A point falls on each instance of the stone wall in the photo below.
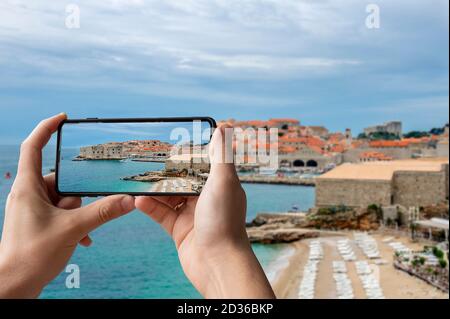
(199, 166)
(352, 155)
(390, 213)
(102, 152)
(443, 149)
(407, 189)
(352, 193)
(419, 188)
(322, 161)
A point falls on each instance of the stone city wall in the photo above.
(419, 188)
(352, 193)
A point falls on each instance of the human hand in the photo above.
(41, 229)
(209, 232)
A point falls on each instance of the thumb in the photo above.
(221, 151)
(102, 211)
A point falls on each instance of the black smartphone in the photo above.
(140, 157)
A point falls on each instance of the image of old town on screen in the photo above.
(134, 157)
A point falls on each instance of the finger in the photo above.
(86, 241)
(102, 211)
(50, 183)
(221, 151)
(158, 211)
(69, 203)
(171, 201)
(30, 161)
(61, 202)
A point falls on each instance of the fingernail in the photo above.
(128, 203)
(63, 114)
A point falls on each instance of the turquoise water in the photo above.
(133, 258)
(103, 176)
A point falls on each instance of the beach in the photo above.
(394, 283)
(174, 185)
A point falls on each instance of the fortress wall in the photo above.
(352, 193)
(419, 188)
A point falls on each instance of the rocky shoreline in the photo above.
(278, 228)
(153, 177)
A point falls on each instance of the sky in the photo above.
(313, 60)
(86, 134)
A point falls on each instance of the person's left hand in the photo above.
(41, 229)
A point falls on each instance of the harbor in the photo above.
(277, 180)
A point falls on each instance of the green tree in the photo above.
(383, 136)
(438, 253)
(362, 136)
(416, 134)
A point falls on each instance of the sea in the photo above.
(132, 257)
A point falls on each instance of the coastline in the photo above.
(261, 179)
(394, 283)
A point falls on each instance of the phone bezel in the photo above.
(210, 120)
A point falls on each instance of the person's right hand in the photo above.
(209, 232)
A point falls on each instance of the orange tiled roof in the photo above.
(338, 148)
(255, 123)
(388, 144)
(416, 140)
(310, 141)
(287, 149)
(316, 149)
(357, 144)
(336, 137)
(291, 121)
(375, 155)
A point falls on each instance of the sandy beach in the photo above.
(394, 283)
(173, 185)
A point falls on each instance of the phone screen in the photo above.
(137, 157)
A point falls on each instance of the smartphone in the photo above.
(140, 157)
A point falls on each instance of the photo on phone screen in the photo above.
(103, 157)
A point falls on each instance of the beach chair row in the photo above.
(368, 245)
(345, 250)
(344, 286)
(370, 282)
(308, 283)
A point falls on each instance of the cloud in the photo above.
(201, 36)
(298, 55)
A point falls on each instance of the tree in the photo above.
(362, 136)
(437, 131)
(438, 253)
(383, 136)
(416, 134)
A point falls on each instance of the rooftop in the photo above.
(383, 170)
